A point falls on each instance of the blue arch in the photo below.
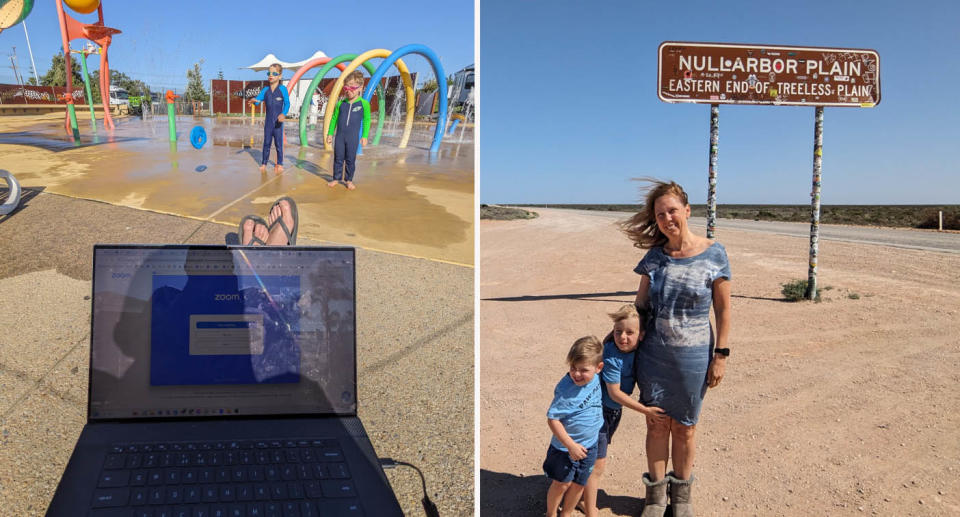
(437, 71)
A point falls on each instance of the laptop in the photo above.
(223, 383)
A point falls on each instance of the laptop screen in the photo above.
(200, 331)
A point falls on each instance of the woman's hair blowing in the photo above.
(642, 228)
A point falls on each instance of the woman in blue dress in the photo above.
(681, 275)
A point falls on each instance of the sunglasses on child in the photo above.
(351, 88)
(274, 74)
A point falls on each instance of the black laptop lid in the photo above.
(205, 331)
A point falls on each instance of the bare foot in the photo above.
(278, 169)
(263, 168)
(351, 186)
(332, 183)
(280, 211)
(252, 229)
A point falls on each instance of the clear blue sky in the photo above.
(161, 40)
(569, 110)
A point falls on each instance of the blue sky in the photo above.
(569, 110)
(161, 40)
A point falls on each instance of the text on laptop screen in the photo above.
(207, 331)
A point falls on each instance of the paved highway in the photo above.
(929, 240)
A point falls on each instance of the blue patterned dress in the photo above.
(673, 358)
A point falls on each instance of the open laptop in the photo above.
(223, 383)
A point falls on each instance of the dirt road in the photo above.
(845, 407)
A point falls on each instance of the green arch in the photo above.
(305, 106)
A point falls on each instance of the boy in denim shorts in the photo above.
(574, 417)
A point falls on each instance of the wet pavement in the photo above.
(407, 202)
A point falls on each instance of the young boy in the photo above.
(574, 418)
(617, 386)
(349, 118)
(278, 103)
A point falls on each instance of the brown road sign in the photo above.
(729, 73)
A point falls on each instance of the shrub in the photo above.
(796, 290)
(931, 219)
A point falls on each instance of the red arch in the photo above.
(307, 66)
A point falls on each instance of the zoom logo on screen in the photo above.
(234, 297)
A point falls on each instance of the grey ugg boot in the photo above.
(656, 501)
(680, 498)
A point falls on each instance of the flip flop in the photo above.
(291, 234)
(253, 238)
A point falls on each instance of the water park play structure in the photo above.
(393, 59)
(71, 29)
(328, 64)
(12, 12)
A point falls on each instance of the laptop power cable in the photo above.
(428, 507)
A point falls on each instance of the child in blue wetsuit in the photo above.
(277, 102)
(350, 118)
(574, 417)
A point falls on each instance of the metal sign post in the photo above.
(771, 75)
(712, 189)
(811, 293)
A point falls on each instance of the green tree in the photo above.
(195, 90)
(430, 85)
(120, 80)
(57, 76)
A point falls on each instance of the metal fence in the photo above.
(180, 108)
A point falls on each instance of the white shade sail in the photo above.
(270, 59)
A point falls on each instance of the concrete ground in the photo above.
(413, 313)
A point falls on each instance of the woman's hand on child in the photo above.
(329, 139)
(363, 141)
(577, 452)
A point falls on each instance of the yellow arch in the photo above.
(407, 84)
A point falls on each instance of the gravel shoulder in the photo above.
(845, 407)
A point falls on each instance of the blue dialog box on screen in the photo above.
(214, 329)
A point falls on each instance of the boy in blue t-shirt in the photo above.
(574, 417)
(618, 380)
(277, 102)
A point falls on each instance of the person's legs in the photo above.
(554, 496)
(570, 499)
(267, 137)
(351, 159)
(593, 486)
(338, 154)
(658, 447)
(684, 448)
(278, 143)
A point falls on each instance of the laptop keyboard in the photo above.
(288, 478)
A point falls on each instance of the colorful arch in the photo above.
(330, 63)
(441, 83)
(404, 75)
